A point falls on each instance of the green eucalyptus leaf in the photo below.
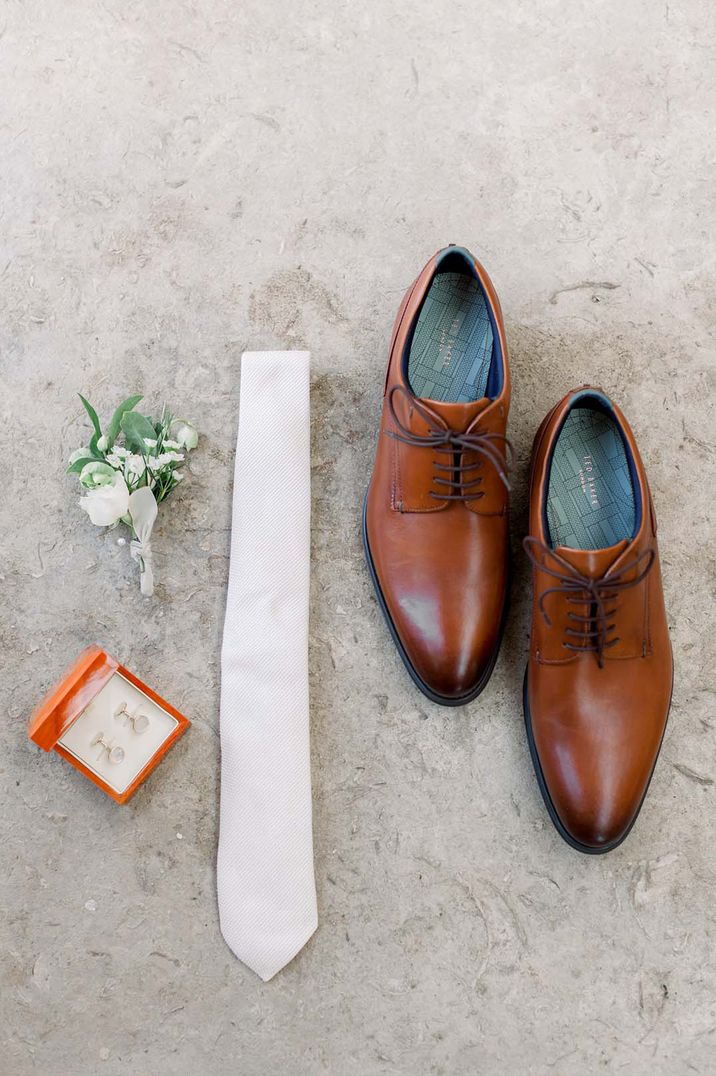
(135, 428)
(76, 466)
(92, 414)
(116, 423)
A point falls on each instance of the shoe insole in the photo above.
(451, 351)
(590, 499)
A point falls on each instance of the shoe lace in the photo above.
(493, 447)
(593, 633)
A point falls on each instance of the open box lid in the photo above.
(68, 699)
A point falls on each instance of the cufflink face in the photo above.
(139, 722)
(115, 753)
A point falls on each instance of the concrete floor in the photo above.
(182, 181)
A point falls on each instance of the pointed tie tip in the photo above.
(266, 966)
(267, 954)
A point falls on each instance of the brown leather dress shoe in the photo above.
(599, 677)
(435, 523)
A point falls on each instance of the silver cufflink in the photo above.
(139, 722)
(115, 753)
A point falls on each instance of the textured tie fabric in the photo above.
(265, 882)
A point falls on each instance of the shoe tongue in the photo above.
(592, 563)
(458, 416)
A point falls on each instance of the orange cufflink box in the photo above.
(107, 724)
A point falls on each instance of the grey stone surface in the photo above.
(185, 180)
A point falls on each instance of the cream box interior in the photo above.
(104, 725)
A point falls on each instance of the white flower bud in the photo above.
(184, 433)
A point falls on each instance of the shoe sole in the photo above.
(441, 700)
(587, 849)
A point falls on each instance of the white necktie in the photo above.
(266, 888)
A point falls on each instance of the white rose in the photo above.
(97, 473)
(106, 504)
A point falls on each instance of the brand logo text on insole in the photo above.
(587, 482)
(447, 342)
